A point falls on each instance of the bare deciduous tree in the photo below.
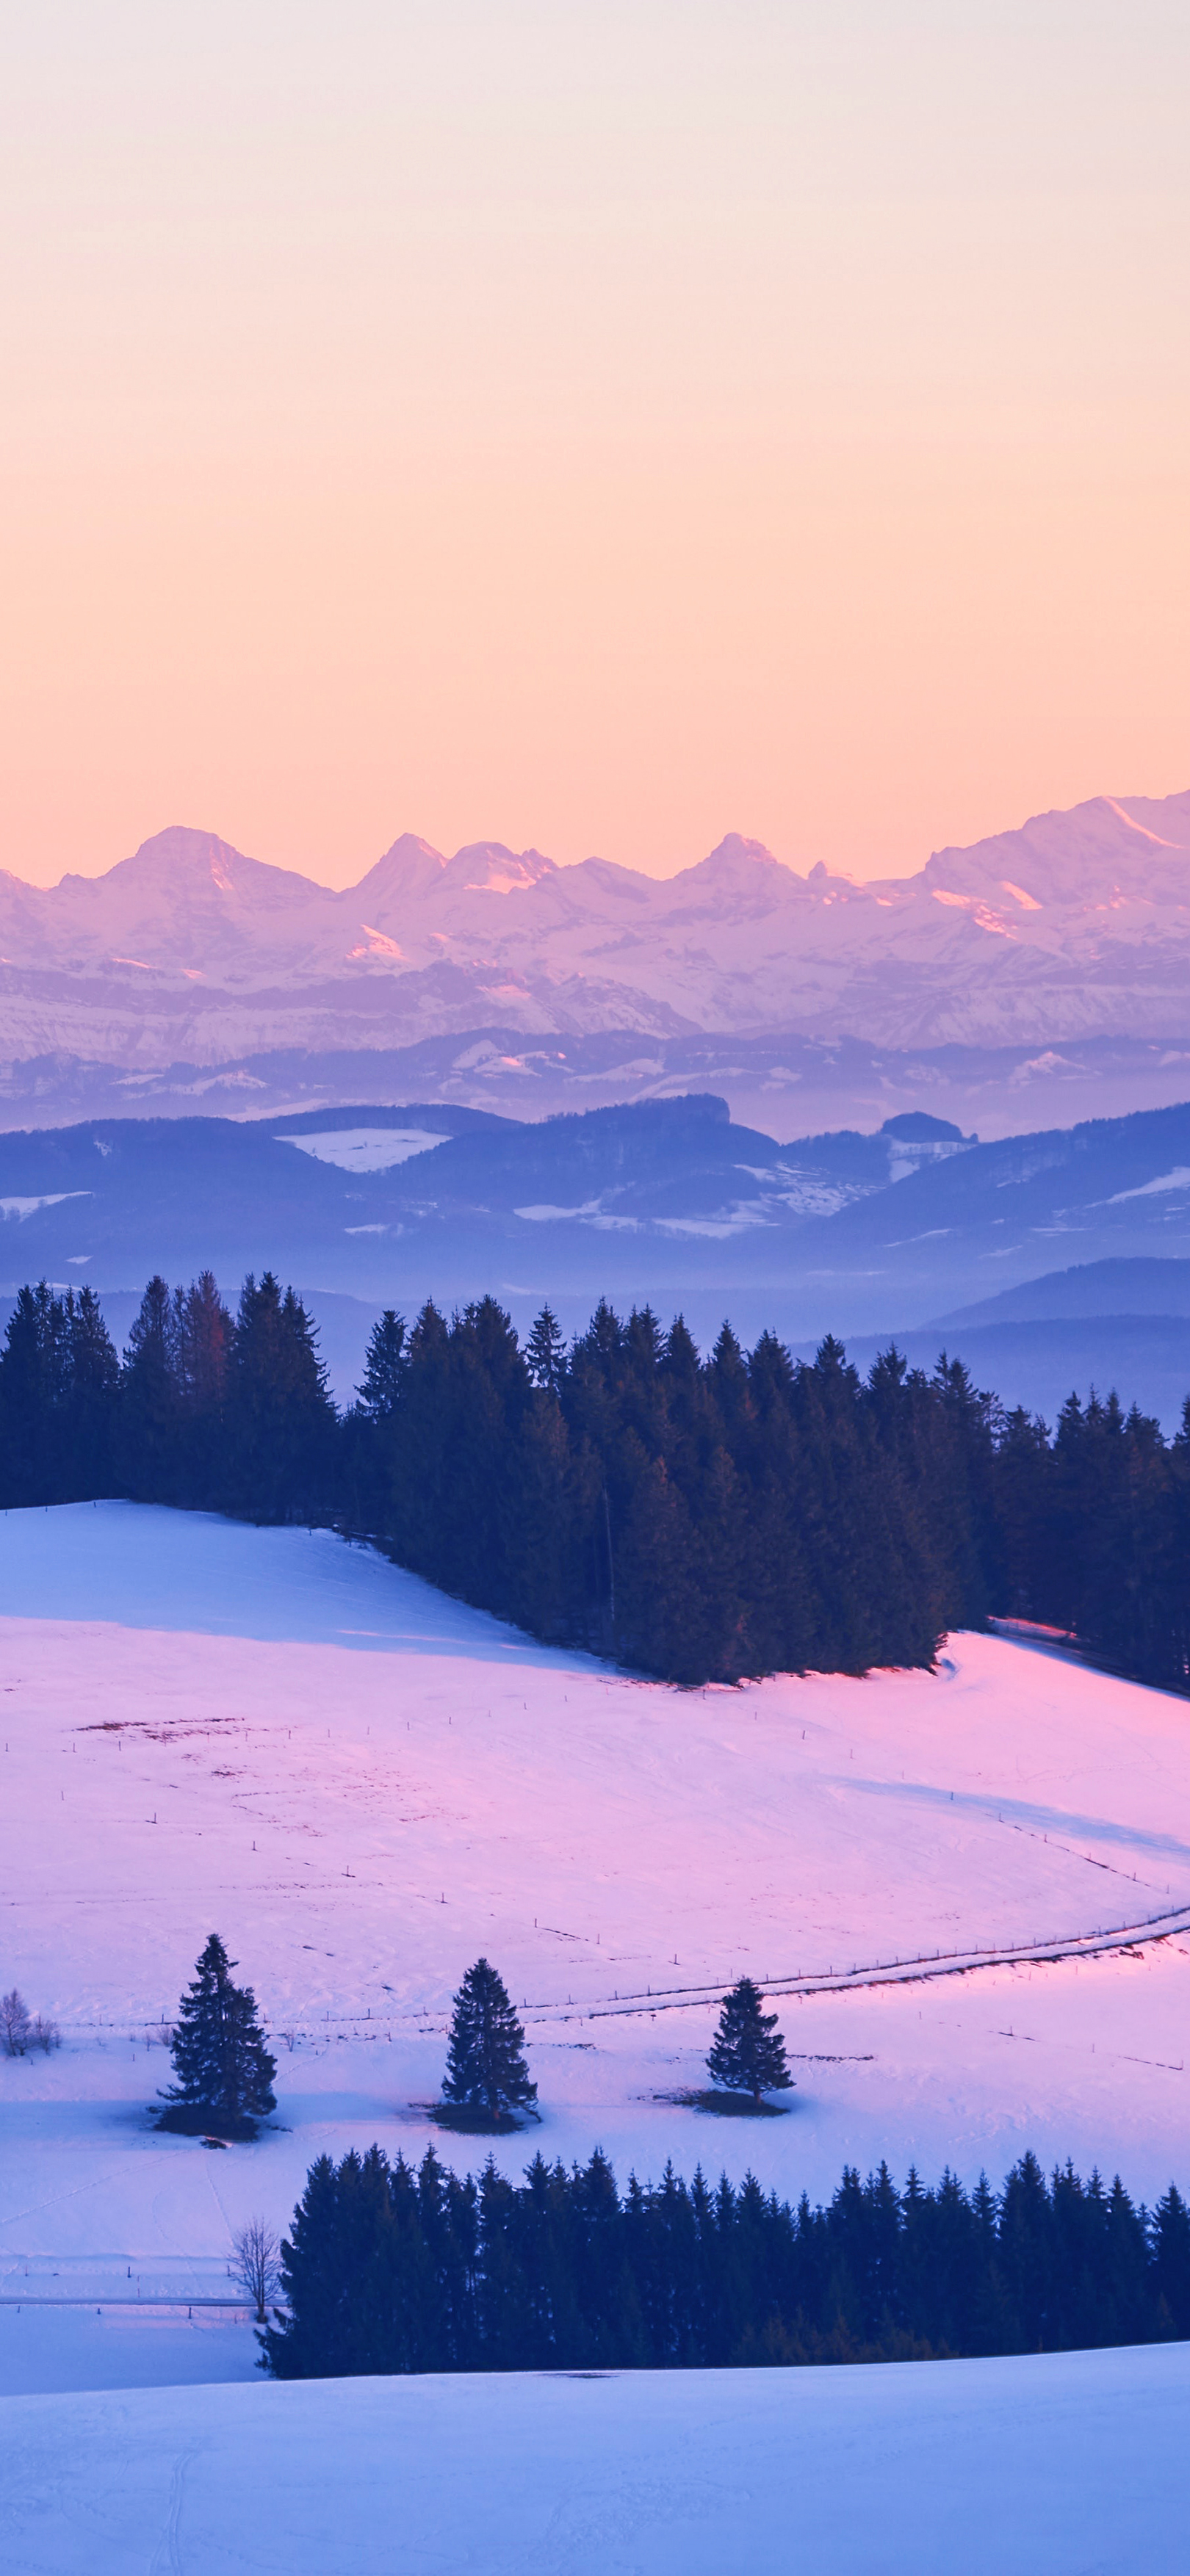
(14, 2024)
(257, 2263)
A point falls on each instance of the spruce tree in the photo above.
(282, 1422)
(485, 2066)
(1169, 2233)
(385, 1369)
(93, 1380)
(32, 1371)
(204, 1332)
(223, 2069)
(151, 1397)
(748, 2052)
(545, 1352)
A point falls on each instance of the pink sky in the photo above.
(600, 426)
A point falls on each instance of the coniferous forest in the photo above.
(390, 2267)
(695, 1519)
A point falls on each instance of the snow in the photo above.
(55, 2349)
(23, 1207)
(363, 1785)
(1175, 1180)
(735, 943)
(365, 1149)
(1050, 2467)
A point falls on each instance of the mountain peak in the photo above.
(1092, 853)
(184, 861)
(1074, 925)
(487, 867)
(409, 867)
(734, 849)
(179, 851)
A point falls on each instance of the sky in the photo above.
(589, 424)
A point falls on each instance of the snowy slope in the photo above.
(1076, 925)
(363, 1785)
(1046, 2467)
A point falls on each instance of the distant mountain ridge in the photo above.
(657, 1199)
(1077, 925)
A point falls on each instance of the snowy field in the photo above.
(362, 1786)
(1067, 2466)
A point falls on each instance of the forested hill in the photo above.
(694, 1519)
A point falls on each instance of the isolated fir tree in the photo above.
(485, 2065)
(748, 2053)
(223, 2069)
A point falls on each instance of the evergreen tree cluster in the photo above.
(748, 1513)
(59, 1394)
(696, 1520)
(700, 1520)
(208, 1410)
(1093, 1531)
(390, 2268)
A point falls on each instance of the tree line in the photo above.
(695, 1519)
(389, 2268)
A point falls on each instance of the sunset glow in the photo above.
(596, 428)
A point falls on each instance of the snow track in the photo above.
(893, 1972)
(364, 1786)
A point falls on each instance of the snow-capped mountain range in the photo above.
(1075, 926)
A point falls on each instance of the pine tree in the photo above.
(748, 2051)
(1170, 2239)
(485, 2066)
(151, 1397)
(545, 1352)
(204, 1333)
(385, 1368)
(90, 1386)
(32, 1368)
(282, 1420)
(223, 2069)
(204, 1337)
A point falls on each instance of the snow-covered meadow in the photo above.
(1043, 2467)
(363, 1785)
